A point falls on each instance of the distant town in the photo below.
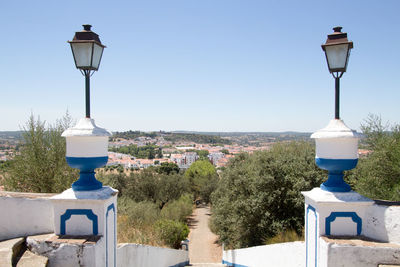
(134, 150)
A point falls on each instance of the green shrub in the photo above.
(377, 175)
(40, 166)
(171, 232)
(115, 180)
(148, 197)
(178, 210)
(259, 194)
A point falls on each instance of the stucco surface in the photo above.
(357, 253)
(291, 254)
(147, 256)
(24, 214)
(383, 223)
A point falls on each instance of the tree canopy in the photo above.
(377, 175)
(203, 179)
(167, 168)
(259, 194)
(148, 185)
(41, 166)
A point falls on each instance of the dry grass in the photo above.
(137, 221)
(286, 236)
(139, 234)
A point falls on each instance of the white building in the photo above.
(184, 160)
(215, 157)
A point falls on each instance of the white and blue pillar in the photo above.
(333, 209)
(88, 208)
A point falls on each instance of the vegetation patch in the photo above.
(41, 166)
(377, 175)
(259, 195)
(171, 232)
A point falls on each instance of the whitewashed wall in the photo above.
(369, 255)
(291, 254)
(383, 222)
(24, 214)
(147, 256)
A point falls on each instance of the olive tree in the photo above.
(259, 194)
(40, 165)
(377, 175)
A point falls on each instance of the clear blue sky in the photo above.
(204, 65)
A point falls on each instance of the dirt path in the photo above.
(202, 246)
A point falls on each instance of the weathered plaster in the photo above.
(24, 214)
(291, 254)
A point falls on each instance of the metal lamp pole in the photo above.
(86, 73)
(337, 94)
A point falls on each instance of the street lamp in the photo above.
(337, 53)
(336, 144)
(87, 51)
(86, 143)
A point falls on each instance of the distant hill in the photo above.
(196, 138)
(244, 138)
(174, 137)
(272, 134)
(133, 134)
(16, 135)
(276, 136)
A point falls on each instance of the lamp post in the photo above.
(334, 209)
(87, 144)
(336, 144)
(87, 50)
(88, 208)
(337, 53)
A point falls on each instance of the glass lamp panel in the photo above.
(82, 54)
(337, 56)
(97, 52)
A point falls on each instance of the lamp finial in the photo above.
(87, 27)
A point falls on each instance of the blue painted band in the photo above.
(337, 165)
(354, 217)
(111, 207)
(311, 208)
(233, 264)
(335, 184)
(181, 264)
(86, 164)
(87, 181)
(89, 214)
